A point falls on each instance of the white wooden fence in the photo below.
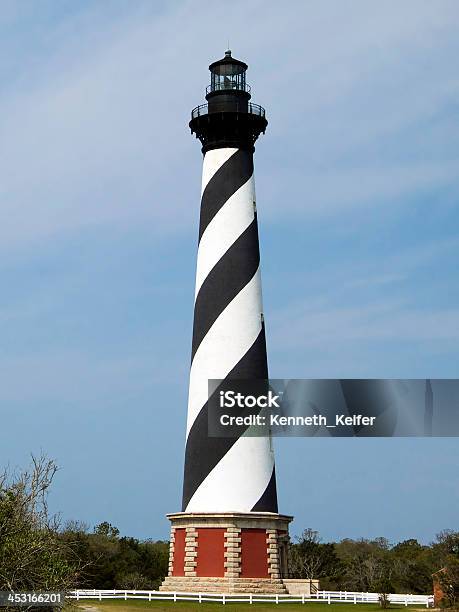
(324, 596)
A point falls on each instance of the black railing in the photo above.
(229, 85)
(253, 109)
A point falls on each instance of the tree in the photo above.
(449, 582)
(366, 562)
(117, 563)
(446, 552)
(32, 555)
(384, 587)
(446, 544)
(412, 567)
(106, 529)
(310, 558)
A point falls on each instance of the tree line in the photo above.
(109, 561)
(376, 565)
(37, 552)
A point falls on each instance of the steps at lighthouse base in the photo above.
(187, 584)
(301, 586)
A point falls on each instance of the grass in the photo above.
(119, 605)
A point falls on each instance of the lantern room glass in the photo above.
(227, 76)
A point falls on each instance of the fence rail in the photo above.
(324, 596)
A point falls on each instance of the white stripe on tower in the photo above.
(227, 474)
(221, 349)
(227, 225)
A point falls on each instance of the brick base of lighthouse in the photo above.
(228, 552)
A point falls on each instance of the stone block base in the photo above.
(299, 586)
(222, 585)
(228, 552)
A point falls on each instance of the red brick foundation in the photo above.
(179, 553)
(254, 554)
(211, 552)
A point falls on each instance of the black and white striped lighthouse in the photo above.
(229, 532)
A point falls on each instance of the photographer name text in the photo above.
(315, 420)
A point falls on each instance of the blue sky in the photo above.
(357, 192)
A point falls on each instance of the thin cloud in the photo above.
(94, 130)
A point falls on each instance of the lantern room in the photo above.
(228, 74)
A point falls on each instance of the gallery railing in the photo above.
(253, 109)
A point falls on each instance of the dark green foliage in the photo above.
(312, 559)
(367, 564)
(32, 556)
(446, 551)
(117, 563)
(413, 566)
(107, 530)
(375, 565)
(37, 555)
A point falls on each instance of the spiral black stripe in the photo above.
(231, 274)
(202, 453)
(268, 501)
(227, 180)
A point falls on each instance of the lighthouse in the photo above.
(229, 536)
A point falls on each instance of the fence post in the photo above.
(277, 598)
(149, 595)
(223, 599)
(406, 600)
(251, 598)
(329, 602)
(175, 596)
(355, 598)
(200, 597)
(78, 595)
(302, 598)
